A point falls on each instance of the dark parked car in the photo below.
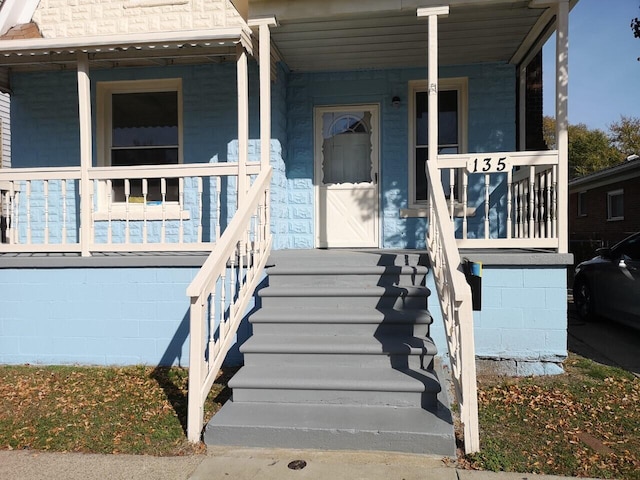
(608, 285)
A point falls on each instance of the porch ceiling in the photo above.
(473, 32)
(388, 35)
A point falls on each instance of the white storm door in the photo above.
(346, 172)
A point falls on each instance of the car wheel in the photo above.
(583, 300)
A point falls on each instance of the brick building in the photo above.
(604, 208)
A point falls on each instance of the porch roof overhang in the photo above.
(143, 49)
(390, 34)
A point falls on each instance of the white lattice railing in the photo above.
(220, 293)
(454, 295)
(139, 208)
(503, 199)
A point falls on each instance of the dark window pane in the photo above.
(145, 119)
(421, 176)
(616, 206)
(144, 156)
(447, 118)
(631, 249)
(422, 126)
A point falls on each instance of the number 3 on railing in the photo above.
(487, 165)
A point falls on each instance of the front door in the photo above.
(346, 172)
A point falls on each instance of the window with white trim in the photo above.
(582, 204)
(615, 205)
(452, 131)
(140, 123)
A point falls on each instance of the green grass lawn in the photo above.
(137, 410)
(585, 422)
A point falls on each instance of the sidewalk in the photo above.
(240, 464)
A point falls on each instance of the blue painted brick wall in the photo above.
(491, 128)
(46, 127)
(523, 317)
(101, 316)
(210, 133)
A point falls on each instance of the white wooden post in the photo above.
(432, 65)
(243, 123)
(84, 113)
(265, 100)
(195, 406)
(562, 126)
(265, 89)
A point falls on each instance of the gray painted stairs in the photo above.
(340, 358)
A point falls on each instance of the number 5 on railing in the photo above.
(488, 164)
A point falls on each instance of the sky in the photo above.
(604, 73)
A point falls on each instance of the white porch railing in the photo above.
(503, 199)
(454, 295)
(27, 200)
(220, 293)
(139, 208)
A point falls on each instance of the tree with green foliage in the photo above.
(625, 135)
(591, 150)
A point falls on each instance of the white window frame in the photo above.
(104, 92)
(581, 199)
(104, 115)
(461, 85)
(611, 194)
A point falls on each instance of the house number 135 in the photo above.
(487, 165)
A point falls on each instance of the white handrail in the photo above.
(218, 303)
(454, 295)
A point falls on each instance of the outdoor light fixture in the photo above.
(395, 101)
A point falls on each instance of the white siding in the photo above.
(63, 18)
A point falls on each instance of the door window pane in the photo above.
(346, 147)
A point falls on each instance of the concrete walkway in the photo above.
(240, 464)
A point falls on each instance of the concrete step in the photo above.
(339, 350)
(311, 259)
(348, 385)
(333, 427)
(381, 298)
(340, 358)
(331, 321)
(337, 275)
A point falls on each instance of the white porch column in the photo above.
(432, 74)
(265, 88)
(84, 113)
(243, 122)
(562, 123)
